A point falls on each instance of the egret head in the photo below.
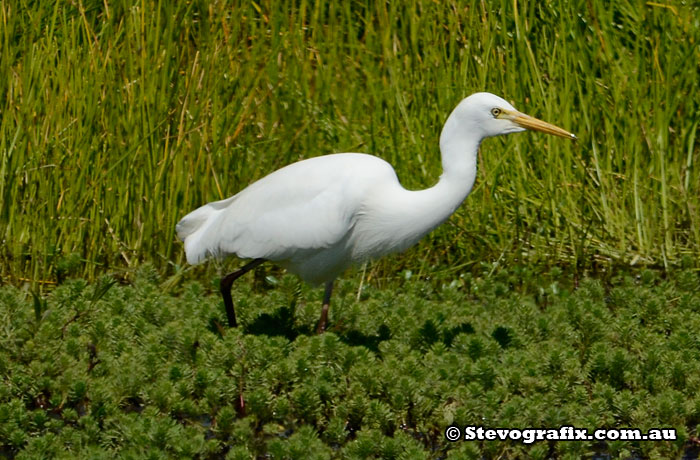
(493, 116)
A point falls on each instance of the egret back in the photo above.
(301, 215)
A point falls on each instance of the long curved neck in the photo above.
(459, 148)
(410, 215)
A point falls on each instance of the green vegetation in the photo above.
(97, 370)
(118, 119)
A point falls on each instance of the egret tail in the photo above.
(193, 230)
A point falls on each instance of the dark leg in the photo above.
(225, 287)
(324, 310)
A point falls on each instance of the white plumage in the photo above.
(318, 216)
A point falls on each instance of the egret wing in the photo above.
(304, 207)
(277, 223)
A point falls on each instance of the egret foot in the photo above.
(225, 287)
(324, 310)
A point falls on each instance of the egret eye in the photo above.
(495, 112)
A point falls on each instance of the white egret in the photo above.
(318, 216)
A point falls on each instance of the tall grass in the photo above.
(119, 118)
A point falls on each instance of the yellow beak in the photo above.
(528, 122)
